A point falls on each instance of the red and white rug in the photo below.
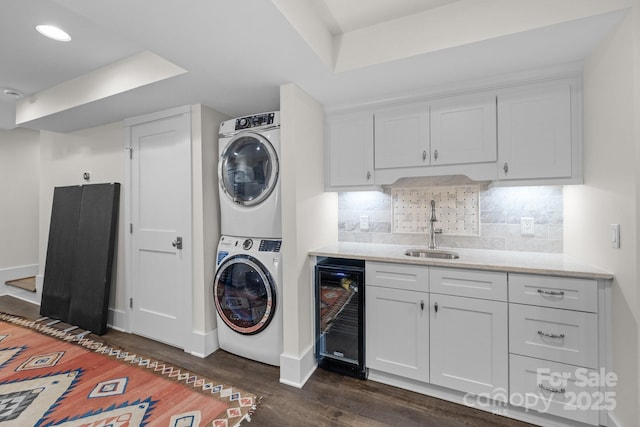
(50, 377)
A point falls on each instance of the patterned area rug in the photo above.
(51, 377)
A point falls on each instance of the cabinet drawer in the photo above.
(558, 292)
(397, 276)
(540, 385)
(559, 335)
(468, 283)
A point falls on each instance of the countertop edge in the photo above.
(588, 272)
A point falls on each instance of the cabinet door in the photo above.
(468, 342)
(397, 332)
(534, 130)
(463, 130)
(402, 137)
(350, 149)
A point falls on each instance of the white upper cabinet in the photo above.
(463, 130)
(350, 150)
(402, 136)
(537, 133)
(511, 132)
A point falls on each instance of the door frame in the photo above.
(187, 255)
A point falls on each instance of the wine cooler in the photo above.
(340, 316)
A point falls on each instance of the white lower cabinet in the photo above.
(549, 333)
(555, 336)
(468, 345)
(397, 337)
(557, 389)
(531, 343)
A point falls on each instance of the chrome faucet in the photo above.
(432, 230)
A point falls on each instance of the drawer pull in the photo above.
(552, 390)
(551, 293)
(545, 334)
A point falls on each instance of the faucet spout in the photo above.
(432, 231)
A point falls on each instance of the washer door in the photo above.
(248, 169)
(244, 294)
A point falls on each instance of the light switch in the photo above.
(615, 236)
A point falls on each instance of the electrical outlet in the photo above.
(364, 222)
(527, 226)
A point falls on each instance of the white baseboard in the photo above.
(13, 273)
(203, 344)
(116, 319)
(483, 404)
(296, 370)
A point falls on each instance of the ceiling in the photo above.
(235, 54)
(342, 16)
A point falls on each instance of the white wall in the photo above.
(609, 195)
(19, 181)
(63, 159)
(309, 220)
(636, 61)
(206, 222)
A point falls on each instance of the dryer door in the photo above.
(248, 169)
(244, 294)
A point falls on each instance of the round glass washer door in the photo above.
(244, 294)
(248, 169)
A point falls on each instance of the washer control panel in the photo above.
(270, 245)
(255, 121)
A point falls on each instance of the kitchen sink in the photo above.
(431, 253)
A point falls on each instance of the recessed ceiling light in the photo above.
(13, 93)
(53, 33)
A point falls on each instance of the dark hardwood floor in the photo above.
(327, 399)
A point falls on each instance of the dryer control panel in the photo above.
(255, 121)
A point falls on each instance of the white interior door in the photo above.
(160, 288)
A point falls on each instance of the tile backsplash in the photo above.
(456, 209)
(400, 216)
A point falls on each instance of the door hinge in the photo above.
(130, 302)
(131, 228)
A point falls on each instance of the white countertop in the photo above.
(479, 259)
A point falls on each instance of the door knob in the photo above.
(177, 243)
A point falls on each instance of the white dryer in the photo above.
(248, 175)
(247, 293)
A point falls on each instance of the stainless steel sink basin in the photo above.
(431, 253)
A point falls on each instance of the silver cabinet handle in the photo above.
(551, 293)
(506, 167)
(552, 390)
(435, 155)
(368, 175)
(421, 305)
(435, 307)
(424, 155)
(548, 335)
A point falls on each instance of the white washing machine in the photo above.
(248, 175)
(247, 292)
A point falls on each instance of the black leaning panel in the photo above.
(61, 247)
(93, 263)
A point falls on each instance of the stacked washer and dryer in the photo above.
(247, 288)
